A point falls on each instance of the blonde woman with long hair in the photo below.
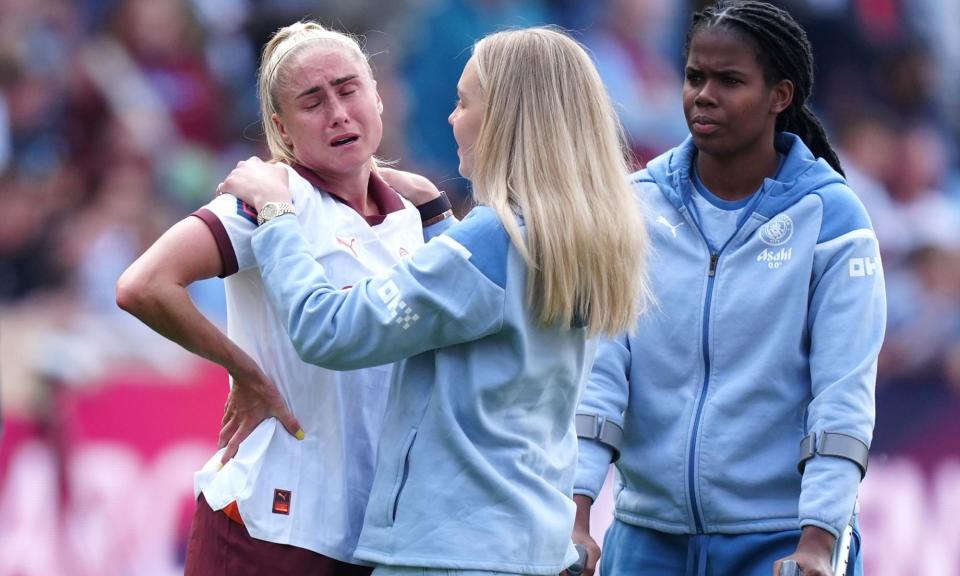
(287, 504)
(489, 321)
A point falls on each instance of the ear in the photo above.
(379, 103)
(781, 96)
(278, 123)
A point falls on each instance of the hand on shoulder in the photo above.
(414, 187)
(257, 182)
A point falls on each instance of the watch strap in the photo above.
(271, 210)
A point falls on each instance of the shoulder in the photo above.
(641, 177)
(229, 210)
(648, 191)
(481, 227)
(843, 212)
(485, 240)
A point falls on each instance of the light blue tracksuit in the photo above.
(753, 345)
(478, 451)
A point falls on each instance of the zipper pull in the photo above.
(713, 263)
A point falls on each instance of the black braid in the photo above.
(784, 53)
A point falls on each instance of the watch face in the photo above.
(271, 210)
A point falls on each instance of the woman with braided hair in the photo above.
(771, 316)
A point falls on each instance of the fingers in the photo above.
(231, 451)
(222, 187)
(593, 558)
(788, 568)
(290, 422)
(242, 431)
(227, 431)
(233, 445)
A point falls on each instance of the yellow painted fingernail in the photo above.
(219, 466)
(300, 434)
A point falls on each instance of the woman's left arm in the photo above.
(450, 291)
(847, 319)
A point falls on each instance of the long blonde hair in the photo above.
(284, 43)
(551, 148)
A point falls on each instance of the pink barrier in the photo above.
(104, 485)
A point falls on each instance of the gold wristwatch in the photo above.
(271, 210)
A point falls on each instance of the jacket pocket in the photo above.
(402, 474)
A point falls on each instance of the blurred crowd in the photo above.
(119, 117)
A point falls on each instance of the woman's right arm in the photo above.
(599, 423)
(154, 289)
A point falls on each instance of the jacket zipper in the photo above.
(404, 474)
(705, 339)
(691, 463)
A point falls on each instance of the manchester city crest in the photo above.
(777, 231)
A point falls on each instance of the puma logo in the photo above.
(281, 501)
(665, 222)
(348, 245)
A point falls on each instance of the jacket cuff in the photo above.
(593, 462)
(828, 493)
(828, 527)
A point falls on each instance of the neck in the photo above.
(351, 188)
(737, 176)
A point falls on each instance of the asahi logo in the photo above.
(775, 258)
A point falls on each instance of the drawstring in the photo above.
(702, 560)
(697, 555)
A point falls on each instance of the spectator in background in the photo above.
(438, 46)
(918, 361)
(867, 144)
(915, 183)
(642, 83)
(164, 42)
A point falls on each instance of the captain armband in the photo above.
(607, 432)
(833, 444)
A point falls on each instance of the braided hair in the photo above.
(784, 53)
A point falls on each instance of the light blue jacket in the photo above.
(770, 337)
(478, 451)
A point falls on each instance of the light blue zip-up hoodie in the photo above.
(752, 346)
(477, 455)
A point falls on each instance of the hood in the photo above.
(800, 174)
